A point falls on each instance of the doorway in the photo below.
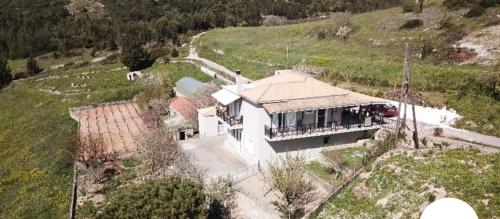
(182, 135)
(321, 118)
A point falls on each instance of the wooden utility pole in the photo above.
(403, 97)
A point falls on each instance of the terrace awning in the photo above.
(225, 97)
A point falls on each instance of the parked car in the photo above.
(385, 110)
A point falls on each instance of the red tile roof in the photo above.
(183, 106)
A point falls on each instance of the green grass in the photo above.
(465, 174)
(351, 157)
(176, 71)
(36, 130)
(258, 51)
(320, 170)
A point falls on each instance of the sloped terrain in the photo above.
(404, 182)
(370, 60)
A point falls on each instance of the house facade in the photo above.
(292, 112)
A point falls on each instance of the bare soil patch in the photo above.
(117, 124)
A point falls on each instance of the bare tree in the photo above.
(288, 175)
(154, 112)
(91, 148)
(154, 99)
(159, 149)
(205, 100)
(221, 197)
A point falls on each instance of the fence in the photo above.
(74, 194)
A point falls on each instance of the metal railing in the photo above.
(231, 120)
(314, 128)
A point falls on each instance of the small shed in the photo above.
(190, 87)
(208, 123)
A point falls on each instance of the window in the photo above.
(326, 139)
(236, 133)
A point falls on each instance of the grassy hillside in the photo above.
(36, 132)
(403, 184)
(371, 57)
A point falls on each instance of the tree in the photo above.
(135, 57)
(221, 196)
(288, 176)
(160, 149)
(32, 66)
(5, 76)
(132, 39)
(205, 100)
(91, 149)
(167, 198)
(154, 100)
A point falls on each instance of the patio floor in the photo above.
(210, 155)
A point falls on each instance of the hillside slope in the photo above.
(37, 133)
(371, 59)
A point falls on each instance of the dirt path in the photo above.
(211, 68)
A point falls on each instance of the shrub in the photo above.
(424, 141)
(446, 23)
(21, 75)
(408, 6)
(431, 198)
(455, 4)
(474, 12)
(487, 3)
(32, 66)
(167, 198)
(438, 132)
(413, 23)
(341, 25)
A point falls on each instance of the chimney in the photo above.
(238, 79)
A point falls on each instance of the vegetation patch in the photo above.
(370, 57)
(402, 184)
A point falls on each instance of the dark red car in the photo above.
(386, 110)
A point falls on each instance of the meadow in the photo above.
(37, 134)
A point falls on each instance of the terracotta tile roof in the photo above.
(290, 91)
(182, 105)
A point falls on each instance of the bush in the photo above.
(438, 132)
(410, 24)
(167, 198)
(487, 3)
(455, 4)
(425, 141)
(446, 23)
(21, 75)
(474, 12)
(408, 6)
(341, 26)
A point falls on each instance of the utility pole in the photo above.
(403, 97)
(286, 57)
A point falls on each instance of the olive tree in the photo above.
(288, 175)
(171, 197)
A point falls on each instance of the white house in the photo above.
(291, 112)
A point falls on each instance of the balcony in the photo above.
(231, 120)
(320, 129)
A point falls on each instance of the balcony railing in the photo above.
(319, 128)
(231, 120)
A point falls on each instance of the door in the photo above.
(321, 118)
(182, 136)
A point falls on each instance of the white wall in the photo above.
(208, 126)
